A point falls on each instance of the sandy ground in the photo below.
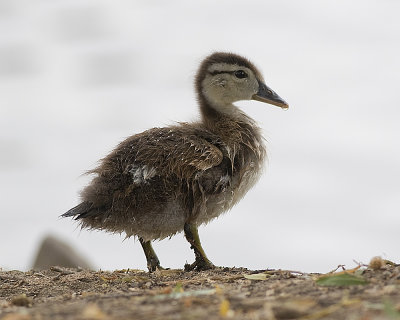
(222, 293)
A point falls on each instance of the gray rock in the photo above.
(54, 252)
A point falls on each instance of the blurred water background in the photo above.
(78, 76)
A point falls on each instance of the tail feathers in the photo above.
(80, 211)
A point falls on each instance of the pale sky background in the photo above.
(78, 76)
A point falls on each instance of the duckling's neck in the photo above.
(213, 114)
(231, 124)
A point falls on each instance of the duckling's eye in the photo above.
(240, 74)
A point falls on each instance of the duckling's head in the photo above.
(224, 78)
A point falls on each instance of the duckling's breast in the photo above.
(232, 186)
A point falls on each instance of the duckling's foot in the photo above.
(154, 265)
(199, 265)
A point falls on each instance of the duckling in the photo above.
(167, 180)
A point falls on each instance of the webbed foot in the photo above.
(199, 265)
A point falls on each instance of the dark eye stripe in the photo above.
(213, 73)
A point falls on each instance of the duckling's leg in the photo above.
(201, 262)
(152, 260)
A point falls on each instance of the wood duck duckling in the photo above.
(166, 180)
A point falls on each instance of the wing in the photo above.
(181, 151)
(158, 154)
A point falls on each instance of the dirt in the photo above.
(222, 293)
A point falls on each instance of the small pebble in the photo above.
(21, 301)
